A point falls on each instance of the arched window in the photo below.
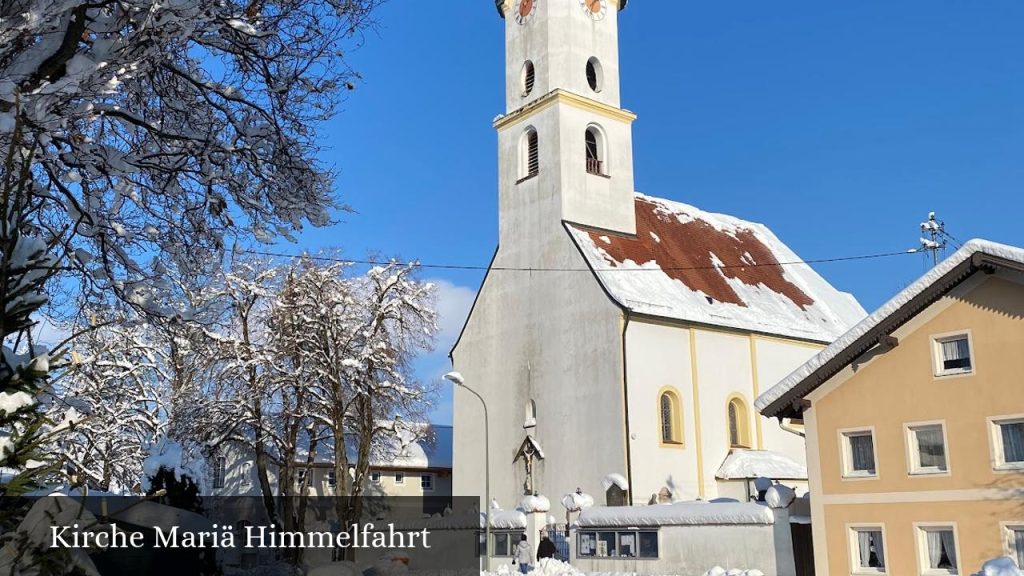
(530, 418)
(529, 78)
(594, 141)
(529, 155)
(739, 428)
(594, 73)
(670, 417)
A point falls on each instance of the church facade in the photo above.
(620, 338)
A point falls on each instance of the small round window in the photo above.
(594, 73)
(529, 77)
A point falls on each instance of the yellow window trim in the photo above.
(677, 418)
(742, 423)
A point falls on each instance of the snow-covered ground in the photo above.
(553, 567)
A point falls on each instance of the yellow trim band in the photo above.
(696, 412)
(559, 96)
(757, 390)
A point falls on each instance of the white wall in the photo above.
(658, 355)
(554, 338)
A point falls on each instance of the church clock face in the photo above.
(525, 10)
(596, 9)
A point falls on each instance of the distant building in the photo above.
(413, 468)
(915, 424)
(617, 333)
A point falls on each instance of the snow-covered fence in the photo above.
(685, 538)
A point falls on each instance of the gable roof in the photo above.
(974, 256)
(687, 264)
(429, 446)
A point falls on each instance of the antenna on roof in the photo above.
(934, 238)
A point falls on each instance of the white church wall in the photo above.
(723, 372)
(775, 360)
(559, 39)
(554, 338)
(659, 358)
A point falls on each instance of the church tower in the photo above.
(565, 144)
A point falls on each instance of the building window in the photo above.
(953, 355)
(617, 544)
(670, 417)
(1015, 543)
(594, 74)
(399, 478)
(937, 549)
(858, 453)
(595, 151)
(927, 448)
(867, 550)
(1008, 442)
(375, 477)
(300, 477)
(739, 430)
(332, 478)
(504, 543)
(245, 475)
(529, 78)
(427, 482)
(219, 471)
(529, 155)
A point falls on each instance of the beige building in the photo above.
(915, 425)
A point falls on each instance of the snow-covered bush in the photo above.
(1000, 567)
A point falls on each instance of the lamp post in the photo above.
(457, 379)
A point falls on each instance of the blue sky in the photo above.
(838, 124)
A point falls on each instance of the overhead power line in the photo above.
(371, 262)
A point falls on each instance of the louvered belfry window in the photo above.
(533, 154)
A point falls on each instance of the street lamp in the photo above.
(457, 379)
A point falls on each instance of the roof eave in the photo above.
(791, 403)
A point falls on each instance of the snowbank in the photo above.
(576, 501)
(677, 514)
(615, 479)
(779, 496)
(531, 504)
(545, 567)
(1000, 567)
(719, 571)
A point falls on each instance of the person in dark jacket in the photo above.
(546, 548)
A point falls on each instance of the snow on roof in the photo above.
(972, 247)
(714, 269)
(615, 479)
(405, 450)
(677, 514)
(745, 464)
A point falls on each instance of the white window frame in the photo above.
(375, 477)
(846, 450)
(246, 475)
(923, 562)
(220, 473)
(1006, 530)
(938, 359)
(995, 437)
(433, 479)
(400, 478)
(914, 467)
(853, 545)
